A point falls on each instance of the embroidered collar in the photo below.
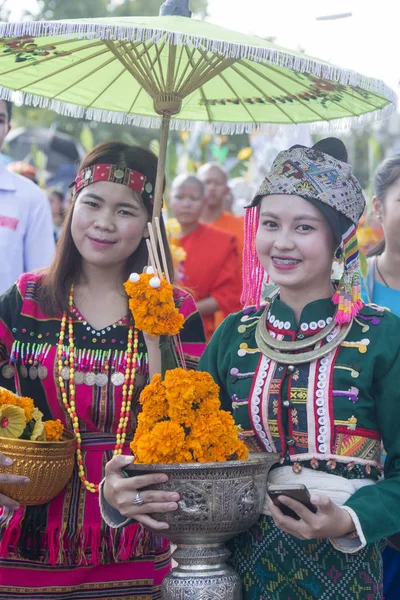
(314, 317)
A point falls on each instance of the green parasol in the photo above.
(174, 71)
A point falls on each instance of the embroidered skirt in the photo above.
(277, 566)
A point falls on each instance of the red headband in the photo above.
(105, 172)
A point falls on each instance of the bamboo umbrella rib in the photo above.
(138, 60)
(48, 58)
(298, 82)
(137, 96)
(262, 92)
(171, 68)
(208, 70)
(206, 104)
(143, 57)
(161, 86)
(240, 100)
(137, 63)
(120, 74)
(200, 89)
(365, 101)
(131, 108)
(198, 68)
(178, 65)
(130, 67)
(140, 89)
(186, 67)
(158, 50)
(303, 85)
(212, 73)
(263, 76)
(67, 68)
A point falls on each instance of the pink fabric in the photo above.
(90, 542)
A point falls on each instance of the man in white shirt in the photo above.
(26, 228)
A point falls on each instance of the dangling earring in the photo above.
(338, 253)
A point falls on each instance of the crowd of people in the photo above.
(309, 372)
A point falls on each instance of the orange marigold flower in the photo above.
(163, 444)
(153, 309)
(54, 430)
(181, 421)
(7, 397)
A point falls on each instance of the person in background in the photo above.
(211, 267)
(25, 169)
(215, 180)
(382, 287)
(56, 199)
(26, 229)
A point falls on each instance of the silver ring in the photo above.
(138, 500)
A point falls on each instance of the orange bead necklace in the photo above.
(70, 406)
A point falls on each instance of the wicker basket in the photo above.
(48, 465)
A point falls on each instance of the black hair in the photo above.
(9, 108)
(386, 175)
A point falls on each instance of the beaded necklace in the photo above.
(70, 406)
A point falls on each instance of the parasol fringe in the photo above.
(218, 127)
(301, 64)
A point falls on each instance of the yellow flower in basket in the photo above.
(12, 421)
(40, 450)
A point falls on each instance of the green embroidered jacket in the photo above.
(332, 414)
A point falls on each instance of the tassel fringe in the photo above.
(348, 295)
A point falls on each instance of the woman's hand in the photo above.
(120, 492)
(8, 478)
(330, 521)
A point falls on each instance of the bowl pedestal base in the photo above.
(202, 574)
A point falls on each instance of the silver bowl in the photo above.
(217, 502)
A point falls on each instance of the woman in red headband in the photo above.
(63, 549)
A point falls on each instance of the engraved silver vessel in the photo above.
(218, 501)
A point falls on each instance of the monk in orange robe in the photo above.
(211, 268)
(215, 181)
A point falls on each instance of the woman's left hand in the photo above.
(330, 521)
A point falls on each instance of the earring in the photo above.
(338, 253)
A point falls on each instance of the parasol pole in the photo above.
(166, 104)
(162, 159)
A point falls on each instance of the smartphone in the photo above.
(298, 492)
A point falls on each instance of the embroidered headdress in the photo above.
(328, 183)
(116, 174)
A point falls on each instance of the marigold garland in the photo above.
(181, 422)
(153, 309)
